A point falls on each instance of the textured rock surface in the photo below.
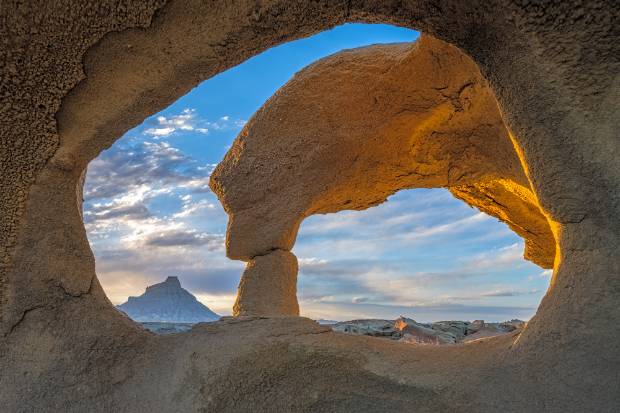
(356, 127)
(167, 328)
(77, 74)
(374, 328)
(269, 286)
(167, 302)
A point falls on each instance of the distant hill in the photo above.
(167, 302)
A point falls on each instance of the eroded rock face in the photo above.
(268, 286)
(77, 75)
(358, 126)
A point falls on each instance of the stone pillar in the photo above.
(268, 286)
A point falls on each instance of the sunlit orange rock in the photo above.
(354, 128)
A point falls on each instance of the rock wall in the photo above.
(77, 74)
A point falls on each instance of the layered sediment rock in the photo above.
(441, 332)
(269, 286)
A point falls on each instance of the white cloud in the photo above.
(188, 120)
(160, 131)
(311, 262)
(508, 292)
(167, 126)
(190, 208)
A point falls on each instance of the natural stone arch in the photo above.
(351, 130)
(77, 76)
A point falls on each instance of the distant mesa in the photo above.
(167, 302)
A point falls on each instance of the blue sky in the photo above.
(149, 214)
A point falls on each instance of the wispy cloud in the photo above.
(182, 238)
(128, 169)
(509, 293)
(188, 120)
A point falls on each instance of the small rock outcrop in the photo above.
(167, 302)
(375, 328)
(269, 286)
(354, 128)
(408, 330)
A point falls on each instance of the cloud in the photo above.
(160, 131)
(190, 208)
(509, 293)
(124, 169)
(382, 280)
(311, 262)
(180, 237)
(410, 219)
(504, 257)
(188, 120)
(100, 212)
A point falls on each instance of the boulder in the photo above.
(458, 329)
(413, 332)
(375, 328)
(475, 326)
(268, 286)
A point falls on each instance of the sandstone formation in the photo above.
(167, 302)
(77, 74)
(356, 127)
(269, 286)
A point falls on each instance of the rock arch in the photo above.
(354, 128)
(77, 76)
